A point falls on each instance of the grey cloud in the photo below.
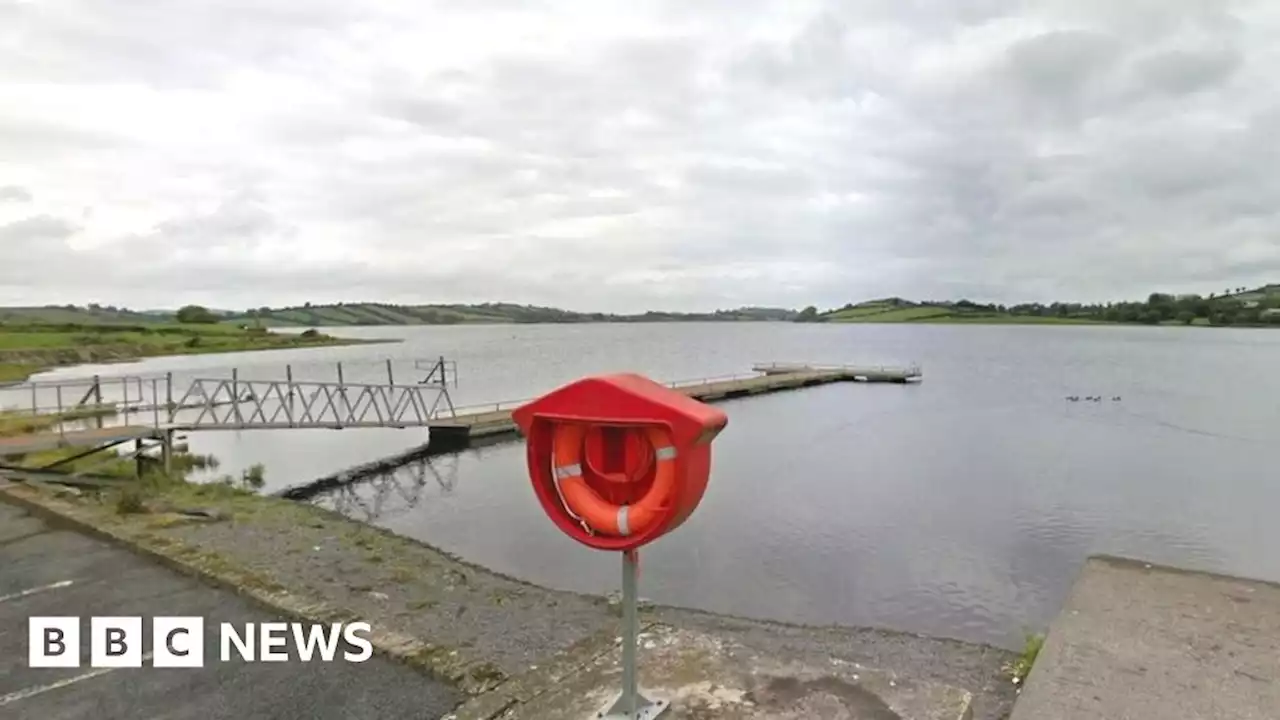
(14, 193)
(1062, 64)
(32, 231)
(165, 43)
(35, 246)
(1000, 150)
(1184, 71)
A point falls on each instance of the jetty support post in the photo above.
(166, 451)
(97, 401)
(139, 458)
(168, 397)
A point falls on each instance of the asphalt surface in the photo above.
(46, 571)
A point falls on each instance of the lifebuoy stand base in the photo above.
(631, 704)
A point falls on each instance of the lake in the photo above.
(961, 506)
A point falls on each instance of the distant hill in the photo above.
(1235, 307)
(74, 315)
(386, 314)
(345, 314)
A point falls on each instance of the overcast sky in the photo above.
(631, 155)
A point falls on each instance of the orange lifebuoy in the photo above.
(585, 503)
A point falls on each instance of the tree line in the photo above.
(1262, 308)
(1162, 308)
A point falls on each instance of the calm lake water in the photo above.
(962, 506)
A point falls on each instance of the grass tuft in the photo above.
(1019, 669)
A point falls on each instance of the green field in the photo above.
(30, 348)
(890, 315)
(941, 315)
(989, 319)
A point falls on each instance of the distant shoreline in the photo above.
(28, 351)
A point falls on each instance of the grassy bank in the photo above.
(13, 423)
(17, 372)
(105, 463)
(26, 349)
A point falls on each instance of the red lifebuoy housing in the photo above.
(618, 461)
(588, 506)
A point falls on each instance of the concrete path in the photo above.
(45, 571)
(707, 676)
(1143, 642)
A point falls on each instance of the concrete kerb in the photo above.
(410, 651)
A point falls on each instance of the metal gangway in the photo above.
(109, 410)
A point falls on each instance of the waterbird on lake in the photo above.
(1073, 398)
(1115, 399)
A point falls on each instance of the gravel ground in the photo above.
(483, 628)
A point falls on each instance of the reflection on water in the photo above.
(386, 494)
(962, 506)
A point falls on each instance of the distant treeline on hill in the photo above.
(346, 314)
(1240, 306)
(387, 314)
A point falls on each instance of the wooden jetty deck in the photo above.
(495, 419)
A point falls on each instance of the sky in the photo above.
(632, 155)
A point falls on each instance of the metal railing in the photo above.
(243, 404)
(507, 405)
(96, 401)
(233, 403)
(911, 370)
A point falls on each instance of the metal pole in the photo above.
(124, 385)
(629, 632)
(235, 394)
(631, 704)
(168, 393)
(342, 391)
(391, 378)
(35, 403)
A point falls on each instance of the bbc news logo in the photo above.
(178, 642)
